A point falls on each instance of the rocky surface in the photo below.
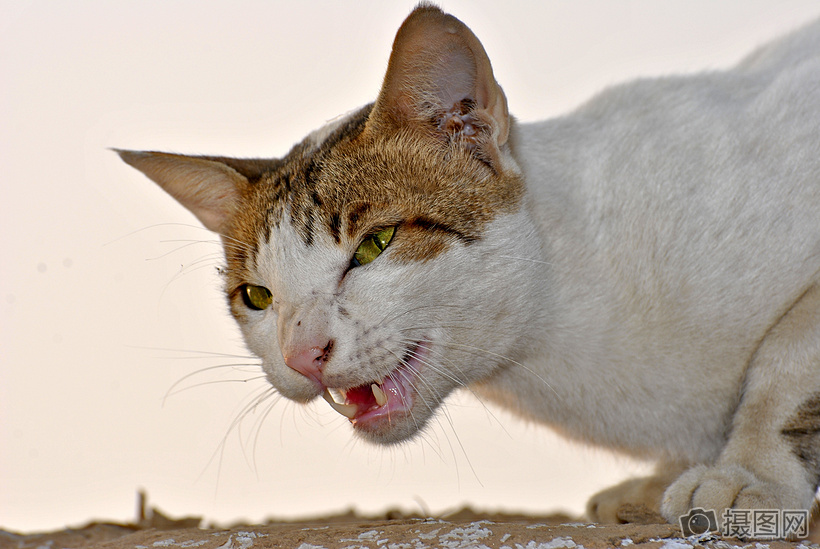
(463, 529)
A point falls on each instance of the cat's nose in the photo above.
(310, 360)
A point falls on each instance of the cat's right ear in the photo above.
(210, 189)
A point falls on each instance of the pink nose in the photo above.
(309, 361)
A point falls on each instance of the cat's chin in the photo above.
(397, 429)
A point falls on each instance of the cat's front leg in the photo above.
(772, 457)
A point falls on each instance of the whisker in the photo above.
(154, 226)
(452, 323)
(504, 358)
(529, 259)
(205, 383)
(404, 401)
(208, 354)
(204, 261)
(262, 394)
(171, 391)
(402, 361)
(444, 412)
(189, 244)
(462, 383)
(183, 271)
(226, 241)
(259, 423)
(485, 351)
(435, 367)
(442, 371)
(433, 447)
(251, 462)
(461, 447)
(399, 314)
(238, 246)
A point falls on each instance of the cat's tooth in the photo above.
(381, 398)
(347, 410)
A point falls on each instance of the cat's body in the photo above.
(681, 218)
(643, 273)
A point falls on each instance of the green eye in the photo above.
(372, 246)
(256, 297)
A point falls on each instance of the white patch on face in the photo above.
(450, 312)
(302, 280)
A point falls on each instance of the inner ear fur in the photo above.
(440, 81)
(210, 187)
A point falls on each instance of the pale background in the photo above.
(108, 297)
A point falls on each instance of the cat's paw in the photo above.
(620, 503)
(725, 487)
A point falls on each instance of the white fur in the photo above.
(681, 219)
(391, 303)
(681, 222)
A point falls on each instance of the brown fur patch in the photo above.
(803, 432)
(357, 181)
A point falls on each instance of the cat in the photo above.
(642, 274)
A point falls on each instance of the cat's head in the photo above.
(373, 265)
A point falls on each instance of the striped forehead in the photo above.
(295, 268)
(296, 192)
(343, 182)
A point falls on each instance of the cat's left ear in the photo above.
(210, 187)
(439, 80)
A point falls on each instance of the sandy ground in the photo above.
(463, 529)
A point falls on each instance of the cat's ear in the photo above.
(439, 79)
(208, 186)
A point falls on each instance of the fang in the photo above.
(347, 410)
(379, 395)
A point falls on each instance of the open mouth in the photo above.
(393, 395)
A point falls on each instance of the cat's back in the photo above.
(680, 185)
(752, 131)
(770, 100)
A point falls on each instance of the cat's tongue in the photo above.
(366, 402)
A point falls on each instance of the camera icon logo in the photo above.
(698, 521)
